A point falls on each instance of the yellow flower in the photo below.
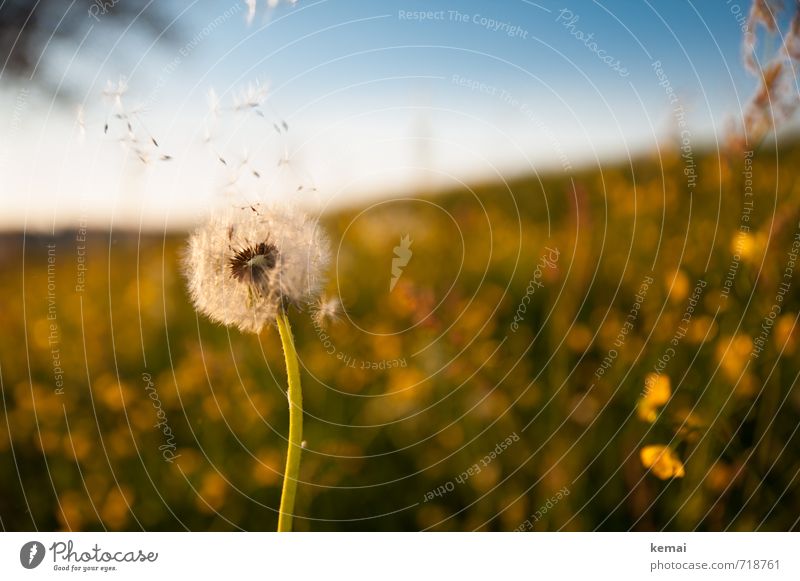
(786, 334)
(744, 245)
(662, 461)
(732, 353)
(678, 285)
(656, 393)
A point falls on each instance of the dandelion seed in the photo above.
(247, 264)
(325, 310)
(251, 11)
(81, 122)
(657, 393)
(252, 97)
(213, 103)
(114, 92)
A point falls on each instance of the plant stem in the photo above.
(295, 394)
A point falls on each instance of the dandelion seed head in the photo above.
(247, 263)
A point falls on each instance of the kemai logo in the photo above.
(31, 554)
(402, 254)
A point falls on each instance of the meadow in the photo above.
(545, 333)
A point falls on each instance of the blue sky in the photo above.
(381, 99)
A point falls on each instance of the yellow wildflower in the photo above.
(662, 461)
(656, 393)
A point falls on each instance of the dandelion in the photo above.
(245, 268)
(247, 264)
(662, 461)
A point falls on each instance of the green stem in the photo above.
(292, 472)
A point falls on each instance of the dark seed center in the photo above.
(252, 264)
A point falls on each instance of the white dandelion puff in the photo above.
(325, 310)
(246, 264)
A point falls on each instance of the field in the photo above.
(543, 335)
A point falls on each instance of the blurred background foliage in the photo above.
(380, 441)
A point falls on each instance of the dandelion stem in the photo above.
(292, 472)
